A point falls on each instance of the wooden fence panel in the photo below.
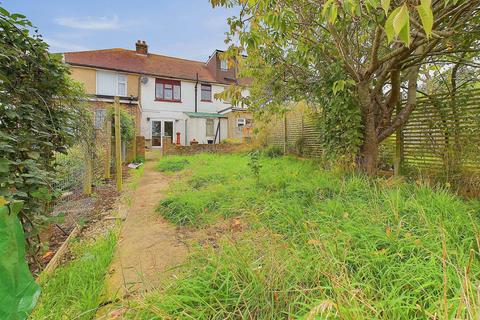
(444, 131)
(440, 130)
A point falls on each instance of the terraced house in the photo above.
(172, 99)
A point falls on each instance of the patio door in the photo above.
(160, 129)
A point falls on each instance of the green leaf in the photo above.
(400, 19)
(401, 24)
(405, 33)
(333, 13)
(338, 86)
(389, 25)
(4, 165)
(326, 6)
(42, 194)
(426, 15)
(386, 5)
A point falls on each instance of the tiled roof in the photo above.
(151, 64)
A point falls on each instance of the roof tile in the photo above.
(151, 64)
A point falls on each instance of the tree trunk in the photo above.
(368, 158)
(369, 154)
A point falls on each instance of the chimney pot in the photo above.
(141, 47)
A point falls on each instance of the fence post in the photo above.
(87, 182)
(108, 149)
(118, 146)
(399, 152)
(285, 137)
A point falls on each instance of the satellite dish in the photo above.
(144, 80)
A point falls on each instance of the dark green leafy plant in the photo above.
(41, 113)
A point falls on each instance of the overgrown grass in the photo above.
(73, 290)
(320, 246)
(172, 164)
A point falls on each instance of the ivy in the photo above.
(127, 124)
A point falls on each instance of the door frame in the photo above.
(162, 131)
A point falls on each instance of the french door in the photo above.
(160, 129)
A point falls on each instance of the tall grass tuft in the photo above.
(73, 290)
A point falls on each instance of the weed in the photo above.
(273, 151)
(255, 164)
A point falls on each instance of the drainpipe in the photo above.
(196, 94)
(186, 133)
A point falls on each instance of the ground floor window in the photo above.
(241, 122)
(210, 128)
(100, 115)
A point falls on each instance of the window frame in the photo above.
(223, 65)
(125, 82)
(173, 84)
(212, 121)
(244, 120)
(201, 91)
(97, 124)
(117, 76)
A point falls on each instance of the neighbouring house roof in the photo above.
(150, 64)
(204, 115)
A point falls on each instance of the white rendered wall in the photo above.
(174, 111)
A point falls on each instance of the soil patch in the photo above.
(76, 209)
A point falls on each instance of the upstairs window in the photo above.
(111, 84)
(206, 94)
(224, 65)
(167, 90)
(122, 85)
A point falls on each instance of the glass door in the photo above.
(156, 133)
(168, 130)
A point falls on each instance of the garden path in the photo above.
(149, 247)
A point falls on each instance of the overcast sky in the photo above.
(189, 29)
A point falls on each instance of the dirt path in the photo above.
(148, 245)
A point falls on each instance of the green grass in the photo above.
(319, 246)
(172, 164)
(73, 291)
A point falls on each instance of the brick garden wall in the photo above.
(171, 149)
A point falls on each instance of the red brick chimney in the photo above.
(141, 47)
